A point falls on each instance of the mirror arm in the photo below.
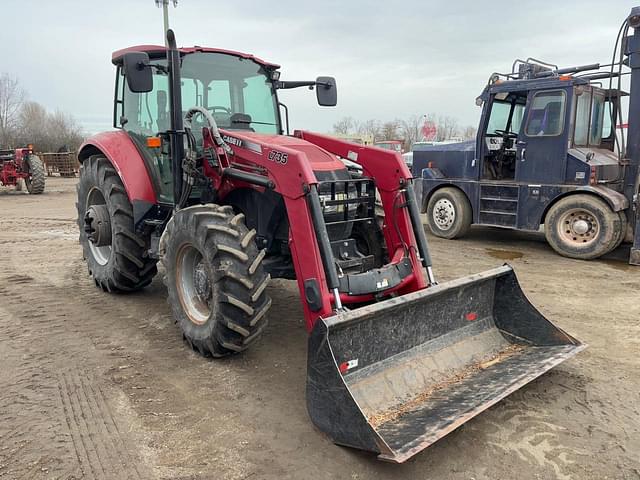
(284, 85)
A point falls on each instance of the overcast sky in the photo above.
(391, 59)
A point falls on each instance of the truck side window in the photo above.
(546, 115)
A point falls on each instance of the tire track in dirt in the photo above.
(100, 447)
(55, 418)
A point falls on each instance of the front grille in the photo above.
(345, 202)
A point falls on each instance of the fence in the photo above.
(64, 164)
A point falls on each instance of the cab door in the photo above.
(542, 145)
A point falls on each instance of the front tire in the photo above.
(215, 279)
(115, 254)
(582, 227)
(35, 180)
(449, 213)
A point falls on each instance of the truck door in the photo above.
(542, 144)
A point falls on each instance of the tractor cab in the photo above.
(239, 90)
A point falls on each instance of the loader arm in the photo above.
(286, 168)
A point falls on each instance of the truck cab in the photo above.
(541, 138)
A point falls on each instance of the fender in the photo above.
(120, 150)
(616, 200)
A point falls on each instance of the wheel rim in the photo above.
(579, 227)
(444, 214)
(193, 285)
(102, 253)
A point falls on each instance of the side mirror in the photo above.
(137, 71)
(326, 91)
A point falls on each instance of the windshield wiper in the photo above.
(247, 122)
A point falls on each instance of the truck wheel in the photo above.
(35, 180)
(582, 227)
(215, 279)
(115, 254)
(623, 229)
(449, 213)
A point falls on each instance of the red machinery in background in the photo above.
(22, 165)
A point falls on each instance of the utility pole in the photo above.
(165, 14)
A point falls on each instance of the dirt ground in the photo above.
(101, 386)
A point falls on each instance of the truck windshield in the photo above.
(500, 115)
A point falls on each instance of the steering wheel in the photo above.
(506, 134)
(213, 109)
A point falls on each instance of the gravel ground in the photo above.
(101, 386)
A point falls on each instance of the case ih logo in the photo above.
(278, 157)
(232, 140)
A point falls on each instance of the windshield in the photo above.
(501, 111)
(229, 86)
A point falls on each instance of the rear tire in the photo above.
(35, 180)
(121, 264)
(215, 279)
(582, 227)
(449, 213)
(623, 229)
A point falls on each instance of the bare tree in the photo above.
(11, 98)
(447, 128)
(33, 121)
(389, 130)
(48, 132)
(370, 128)
(469, 133)
(344, 126)
(63, 132)
(411, 130)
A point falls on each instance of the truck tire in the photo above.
(449, 213)
(35, 180)
(215, 279)
(582, 227)
(623, 229)
(116, 256)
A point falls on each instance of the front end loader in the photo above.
(225, 200)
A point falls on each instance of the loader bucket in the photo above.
(396, 376)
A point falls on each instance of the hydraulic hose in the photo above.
(213, 126)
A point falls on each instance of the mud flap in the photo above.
(396, 376)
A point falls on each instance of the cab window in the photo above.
(546, 114)
(593, 117)
(506, 116)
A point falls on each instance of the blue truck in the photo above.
(546, 153)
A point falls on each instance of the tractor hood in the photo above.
(446, 156)
(319, 159)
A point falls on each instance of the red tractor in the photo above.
(225, 200)
(21, 165)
